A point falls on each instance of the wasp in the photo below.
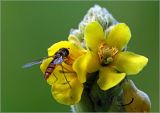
(58, 58)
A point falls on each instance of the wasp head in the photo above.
(64, 51)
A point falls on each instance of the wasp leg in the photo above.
(65, 83)
(66, 71)
(66, 77)
(55, 77)
(66, 68)
(68, 61)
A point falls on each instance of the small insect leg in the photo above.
(68, 60)
(66, 71)
(65, 77)
(55, 77)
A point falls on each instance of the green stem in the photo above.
(95, 100)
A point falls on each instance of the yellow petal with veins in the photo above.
(74, 51)
(64, 92)
(87, 63)
(73, 39)
(129, 62)
(45, 64)
(57, 76)
(108, 78)
(66, 95)
(119, 36)
(93, 62)
(79, 66)
(93, 35)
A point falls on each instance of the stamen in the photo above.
(106, 53)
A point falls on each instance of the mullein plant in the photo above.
(98, 67)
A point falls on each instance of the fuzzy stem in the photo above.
(95, 100)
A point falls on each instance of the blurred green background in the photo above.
(29, 28)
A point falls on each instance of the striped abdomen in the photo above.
(49, 70)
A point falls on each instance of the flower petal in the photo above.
(75, 51)
(93, 62)
(129, 63)
(66, 95)
(63, 92)
(86, 63)
(73, 39)
(119, 36)
(93, 35)
(108, 78)
(57, 76)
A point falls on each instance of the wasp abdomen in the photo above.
(46, 75)
(49, 70)
(52, 65)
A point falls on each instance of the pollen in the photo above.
(106, 53)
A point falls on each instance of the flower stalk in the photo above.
(93, 98)
(124, 97)
(92, 77)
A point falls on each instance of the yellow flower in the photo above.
(105, 54)
(64, 92)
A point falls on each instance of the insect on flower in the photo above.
(58, 58)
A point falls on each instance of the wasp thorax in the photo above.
(106, 53)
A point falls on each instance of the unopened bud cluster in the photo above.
(95, 13)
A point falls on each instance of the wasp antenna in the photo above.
(65, 77)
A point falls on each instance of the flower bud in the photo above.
(140, 100)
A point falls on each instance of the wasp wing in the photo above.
(35, 62)
(32, 63)
(58, 60)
